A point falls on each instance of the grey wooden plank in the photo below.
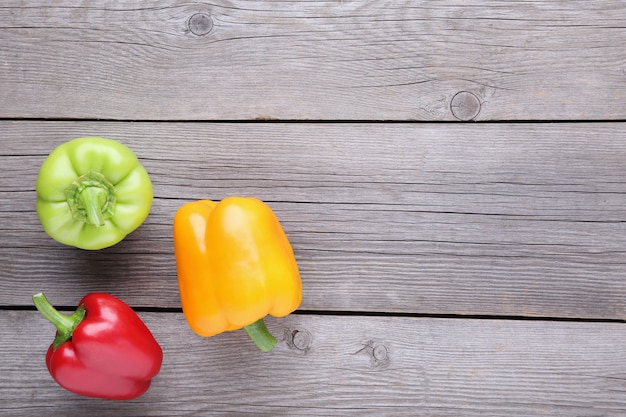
(357, 60)
(488, 219)
(377, 366)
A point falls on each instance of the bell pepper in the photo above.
(235, 266)
(102, 350)
(92, 192)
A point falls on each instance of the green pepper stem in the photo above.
(260, 335)
(65, 324)
(91, 199)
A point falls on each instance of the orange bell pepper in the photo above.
(235, 266)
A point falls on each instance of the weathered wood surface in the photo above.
(499, 219)
(348, 366)
(327, 60)
(448, 269)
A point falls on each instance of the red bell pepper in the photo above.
(102, 350)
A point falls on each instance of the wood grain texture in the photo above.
(480, 219)
(351, 366)
(323, 60)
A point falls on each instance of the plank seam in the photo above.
(313, 121)
(345, 313)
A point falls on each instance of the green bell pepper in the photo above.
(92, 192)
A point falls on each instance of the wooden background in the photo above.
(449, 269)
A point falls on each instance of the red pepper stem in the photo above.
(65, 324)
(260, 335)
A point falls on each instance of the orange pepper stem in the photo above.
(260, 335)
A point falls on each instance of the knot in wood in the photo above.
(300, 339)
(465, 106)
(200, 24)
(378, 353)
